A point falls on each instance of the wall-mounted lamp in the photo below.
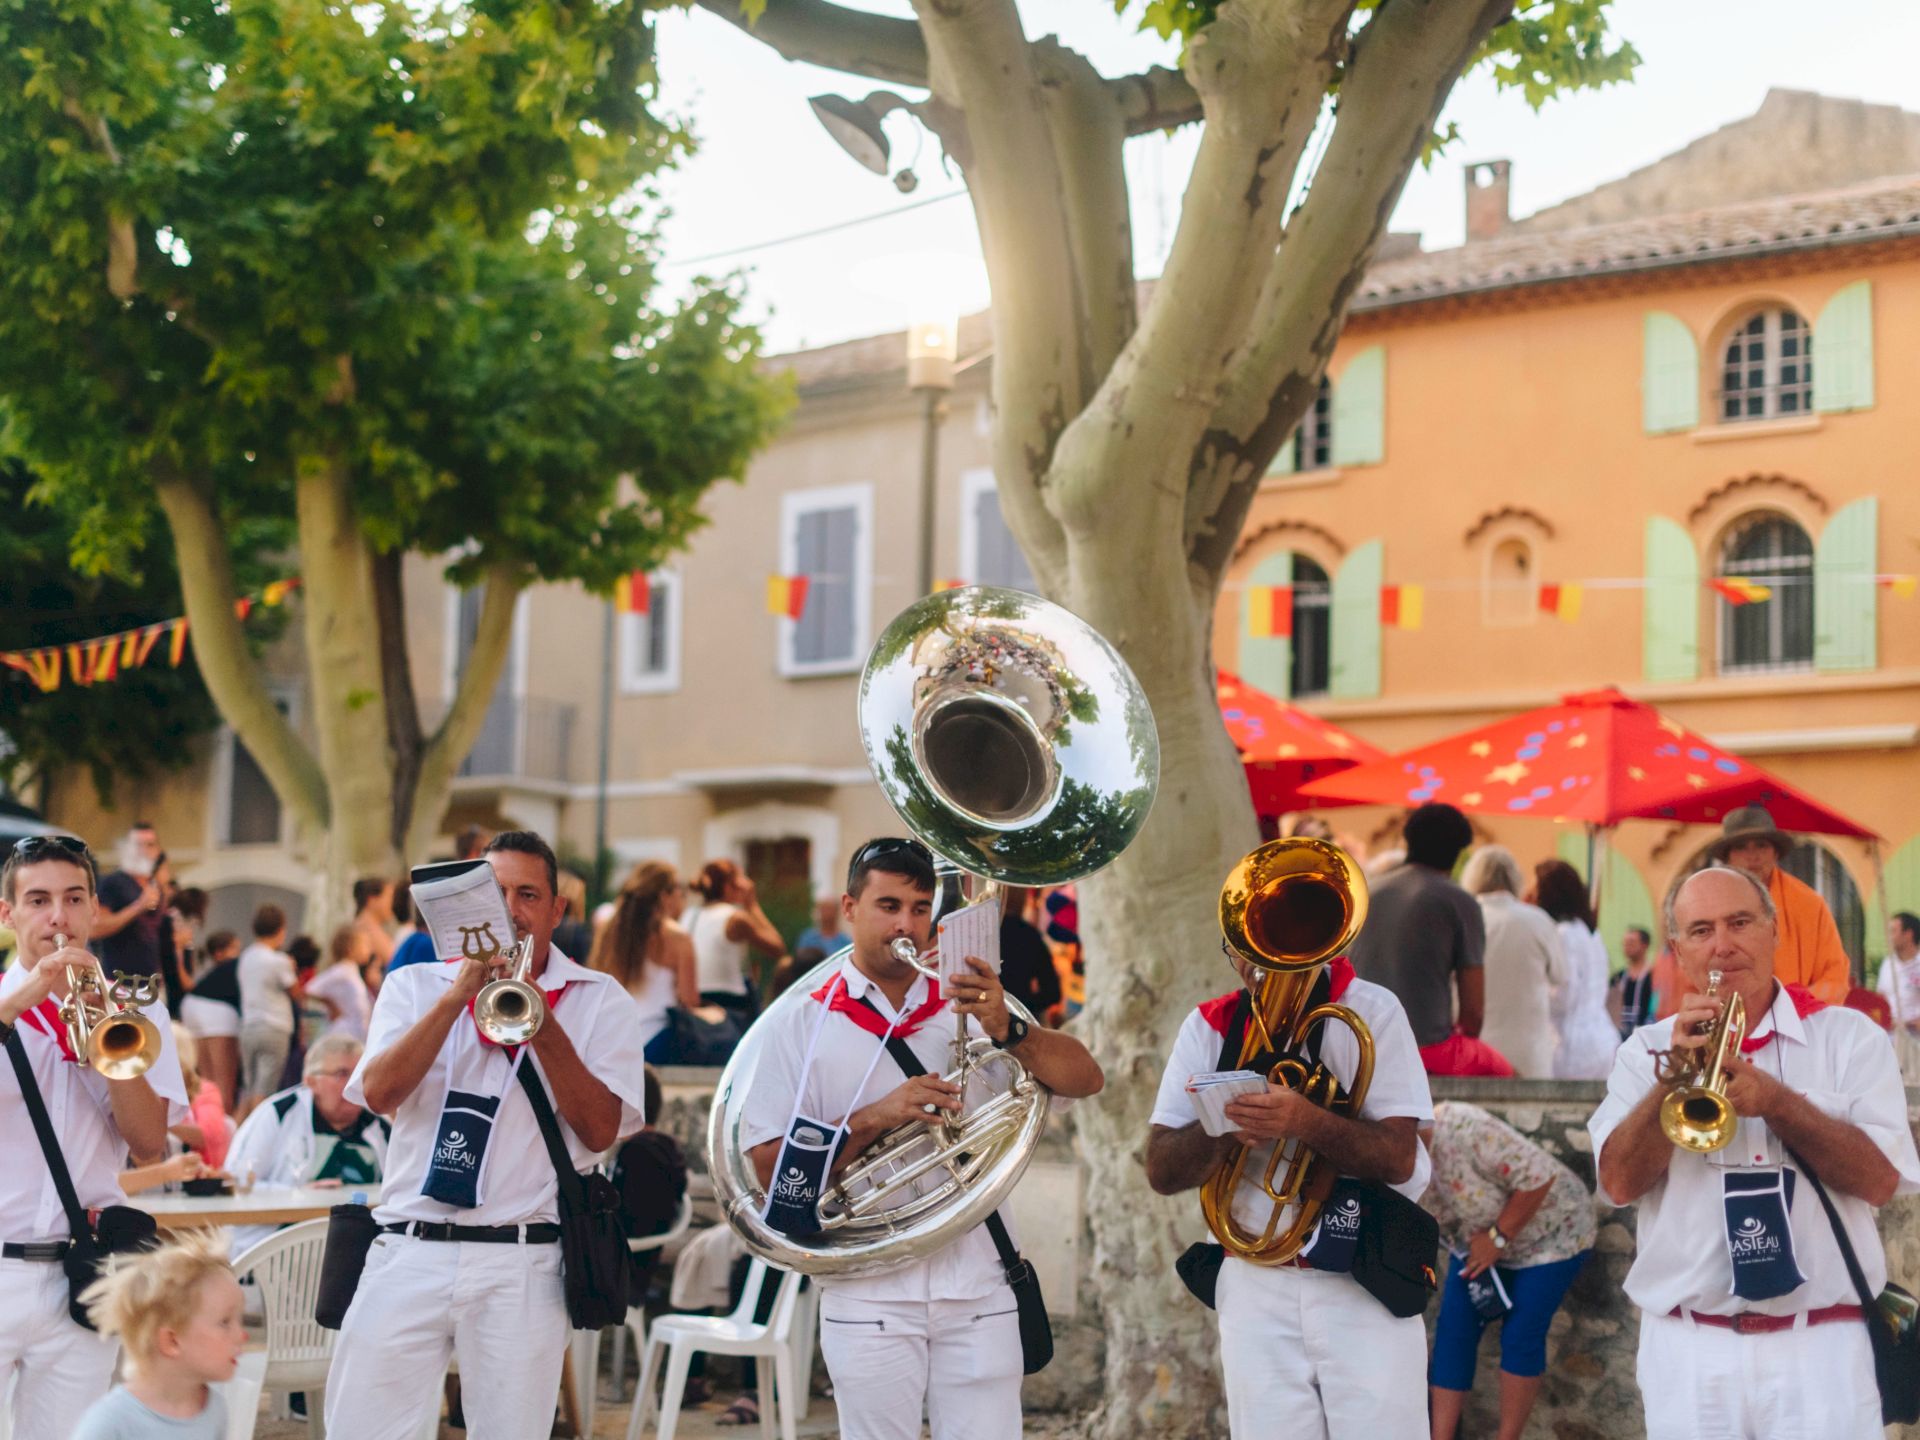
(855, 127)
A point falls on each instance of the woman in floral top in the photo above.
(1503, 1203)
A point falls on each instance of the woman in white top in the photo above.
(1588, 1036)
(1900, 983)
(646, 949)
(729, 922)
(1525, 964)
(342, 988)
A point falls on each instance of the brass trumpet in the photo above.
(103, 1019)
(1696, 1115)
(511, 1010)
(1288, 908)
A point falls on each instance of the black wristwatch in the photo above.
(1016, 1032)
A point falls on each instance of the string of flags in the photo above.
(107, 657)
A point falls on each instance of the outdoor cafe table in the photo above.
(262, 1205)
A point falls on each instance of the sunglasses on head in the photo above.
(38, 847)
(892, 845)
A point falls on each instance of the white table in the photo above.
(263, 1205)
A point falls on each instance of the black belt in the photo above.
(539, 1234)
(51, 1251)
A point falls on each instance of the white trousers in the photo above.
(1312, 1355)
(500, 1308)
(57, 1368)
(1699, 1382)
(958, 1359)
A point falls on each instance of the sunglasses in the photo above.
(37, 847)
(891, 845)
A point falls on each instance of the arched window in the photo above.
(1509, 598)
(1313, 442)
(1767, 369)
(1776, 632)
(1813, 863)
(1312, 628)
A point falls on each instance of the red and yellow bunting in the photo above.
(1404, 606)
(633, 594)
(1737, 591)
(947, 584)
(1563, 602)
(1270, 612)
(1904, 587)
(787, 595)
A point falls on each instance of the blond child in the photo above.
(176, 1311)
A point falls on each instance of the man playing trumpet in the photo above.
(1750, 1325)
(58, 1367)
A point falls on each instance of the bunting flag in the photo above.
(633, 594)
(1270, 612)
(42, 667)
(1403, 605)
(787, 595)
(940, 585)
(177, 646)
(1904, 587)
(1562, 601)
(1736, 591)
(91, 660)
(278, 591)
(139, 644)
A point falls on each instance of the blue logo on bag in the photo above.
(799, 1175)
(1760, 1233)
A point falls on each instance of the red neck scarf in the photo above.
(552, 998)
(45, 1017)
(834, 995)
(1218, 1012)
(1804, 1004)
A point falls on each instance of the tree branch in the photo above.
(456, 733)
(227, 666)
(1405, 64)
(877, 46)
(1155, 99)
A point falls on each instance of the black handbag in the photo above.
(596, 1263)
(351, 1231)
(1896, 1354)
(692, 1040)
(120, 1228)
(1036, 1330)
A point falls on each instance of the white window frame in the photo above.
(634, 680)
(974, 484)
(793, 505)
(1315, 433)
(1771, 364)
(220, 788)
(1724, 617)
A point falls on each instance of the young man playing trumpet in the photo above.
(939, 1333)
(469, 1261)
(59, 1368)
(1750, 1327)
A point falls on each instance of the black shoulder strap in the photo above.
(1237, 1021)
(49, 1142)
(1854, 1271)
(569, 1178)
(1242, 1017)
(904, 1057)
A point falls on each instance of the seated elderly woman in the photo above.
(1520, 1225)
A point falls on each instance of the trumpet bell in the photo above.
(1698, 1119)
(509, 1012)
(1291, 905)
(124, 1045)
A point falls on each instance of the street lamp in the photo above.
(933, 343)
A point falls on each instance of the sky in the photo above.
(765, 170)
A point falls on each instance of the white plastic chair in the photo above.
(242, 1395)
(286, 1268)
(770, 1344)
(682, 1222)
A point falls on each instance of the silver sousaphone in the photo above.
(1013, 740)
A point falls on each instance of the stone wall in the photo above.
(1589, 1394)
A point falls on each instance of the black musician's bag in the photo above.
(1896, 1346)
(351, 1231)
(596, 1263)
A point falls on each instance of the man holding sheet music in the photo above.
(942, 1332)
(468, 1258)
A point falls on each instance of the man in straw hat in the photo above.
(1809, 952)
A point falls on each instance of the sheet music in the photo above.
(465, 913)
(1212, 1089)
(973, 931)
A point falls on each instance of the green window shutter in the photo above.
(1669, 375)
(1845, 598)
(1355, 661)
(1843, 351)
(1900, 890)
(1670, 604)
(1360, 409)
(1624, 897)
(1266, 661)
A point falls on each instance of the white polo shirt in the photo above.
(520, 1186)
(1398, 1088)
(1840, 1061)
(967, 1269)
(82, 1114)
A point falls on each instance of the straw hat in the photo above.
(1750, 822)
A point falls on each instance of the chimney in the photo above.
(1487, 198)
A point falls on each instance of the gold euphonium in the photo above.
(1696, 1115)
(511, 1010)
(1287, 909)
(103, 1019)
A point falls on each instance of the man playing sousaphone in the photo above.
(939, 1332)
(1750, 1323)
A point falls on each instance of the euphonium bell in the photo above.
(1286, 909)
(511, 1010)
(104, 1022)
(1696, 1114)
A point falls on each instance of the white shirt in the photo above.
(1588, 1037)
(520, 1187)
(655, 996)
(1900, 983)
(719, 964)
(82, 1116)
(1525, 966)
(277, 1140)
(342, 983)
(267, 977)
(1398, 1089)
(967, 1269)
(1841, 1062)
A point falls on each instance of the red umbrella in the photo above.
(1596, 757)
(1283, 747)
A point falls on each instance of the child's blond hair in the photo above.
(189, 1057)
(150, 1290)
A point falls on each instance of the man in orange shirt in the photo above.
(1809, 952)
